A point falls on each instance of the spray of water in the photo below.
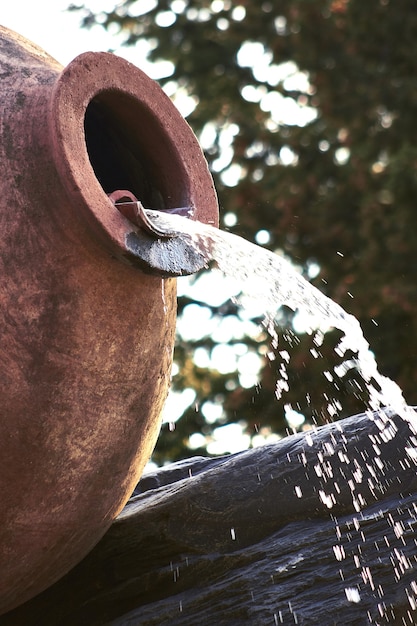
(272, 281)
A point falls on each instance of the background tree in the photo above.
(306, 111)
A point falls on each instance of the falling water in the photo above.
(271, 281)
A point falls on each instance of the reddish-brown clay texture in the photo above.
(86, 337)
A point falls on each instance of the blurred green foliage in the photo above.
(307, 114)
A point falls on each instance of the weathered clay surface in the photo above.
(86, 338)
(230, 541)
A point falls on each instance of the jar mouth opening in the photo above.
(128, 149)
(112, 127)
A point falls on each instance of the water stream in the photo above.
(272, 281)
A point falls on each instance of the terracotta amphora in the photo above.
(87, 320)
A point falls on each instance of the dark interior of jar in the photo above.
(128, 149)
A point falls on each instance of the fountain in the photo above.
(319, 528)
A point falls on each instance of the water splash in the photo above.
(271, 281)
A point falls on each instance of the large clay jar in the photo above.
(86, 334)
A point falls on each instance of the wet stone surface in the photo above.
(258, 538)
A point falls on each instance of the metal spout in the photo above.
(156, 249)
(135, 212)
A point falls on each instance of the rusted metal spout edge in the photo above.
(166, 258)
(153, 249)
(127, 203)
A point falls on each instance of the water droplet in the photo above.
(339, 552)
(352, 594)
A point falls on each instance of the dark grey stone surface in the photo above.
(317, 529)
